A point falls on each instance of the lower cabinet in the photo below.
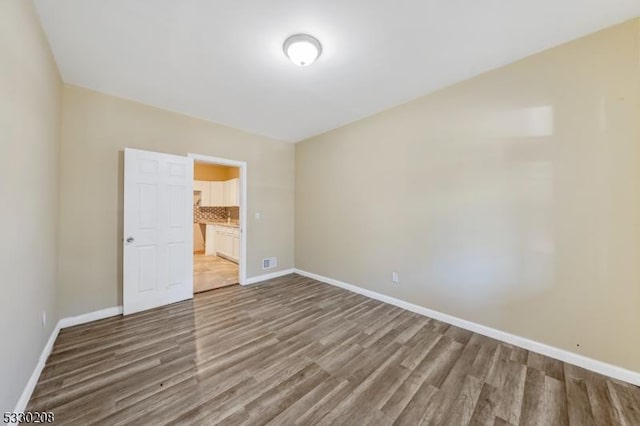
(210, 240)
(227, 241)
(235, 250)
(223, 241)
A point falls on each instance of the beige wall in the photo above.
(95, 129)
(511, 200)
(30, 96)
(213, 172)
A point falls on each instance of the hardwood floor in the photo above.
(296, 351)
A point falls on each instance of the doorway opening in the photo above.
(218, 210)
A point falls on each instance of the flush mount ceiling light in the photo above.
(302, 49)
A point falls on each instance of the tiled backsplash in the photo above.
(215, 213)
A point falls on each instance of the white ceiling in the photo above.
(223, 61)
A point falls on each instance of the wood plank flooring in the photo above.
(295, 351)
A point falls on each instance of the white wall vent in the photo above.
(270, 262)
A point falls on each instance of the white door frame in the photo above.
(243, 204)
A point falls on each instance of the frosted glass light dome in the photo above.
(302, 49)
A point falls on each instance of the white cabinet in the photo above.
(235, 250)
(202, 188)
(232, 192)
(210, 240)
(228, 242)
(218, 193)
(223, 246)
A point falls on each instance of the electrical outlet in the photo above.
(258, 216)
(394, 277)
(44, 318)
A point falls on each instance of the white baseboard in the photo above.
(270, 276)
(528, 344)
(21, 405)
(91, 316)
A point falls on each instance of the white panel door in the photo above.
(158, 230)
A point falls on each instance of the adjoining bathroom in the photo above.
(216, 231)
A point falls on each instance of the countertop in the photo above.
(217, 222)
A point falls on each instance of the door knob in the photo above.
(130, 239)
